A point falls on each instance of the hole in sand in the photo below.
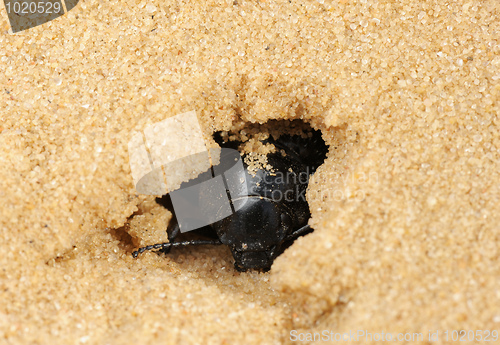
(279, 157)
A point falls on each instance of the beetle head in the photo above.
(255, 232)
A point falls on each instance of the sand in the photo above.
(405, 208)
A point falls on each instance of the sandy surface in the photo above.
(405, 207)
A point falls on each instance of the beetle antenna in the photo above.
(174, 244)
(299, 232)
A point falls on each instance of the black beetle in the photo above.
(276, 211)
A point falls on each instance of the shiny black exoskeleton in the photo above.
(275, 212)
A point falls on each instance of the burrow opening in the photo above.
(293, 145)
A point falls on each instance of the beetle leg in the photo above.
(171, 237)
(174, 232)
(240, 268)
(299, 232)
(163, 246)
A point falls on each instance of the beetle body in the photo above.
(274, 206)
(271, 211)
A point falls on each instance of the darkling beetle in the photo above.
(276, 211)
